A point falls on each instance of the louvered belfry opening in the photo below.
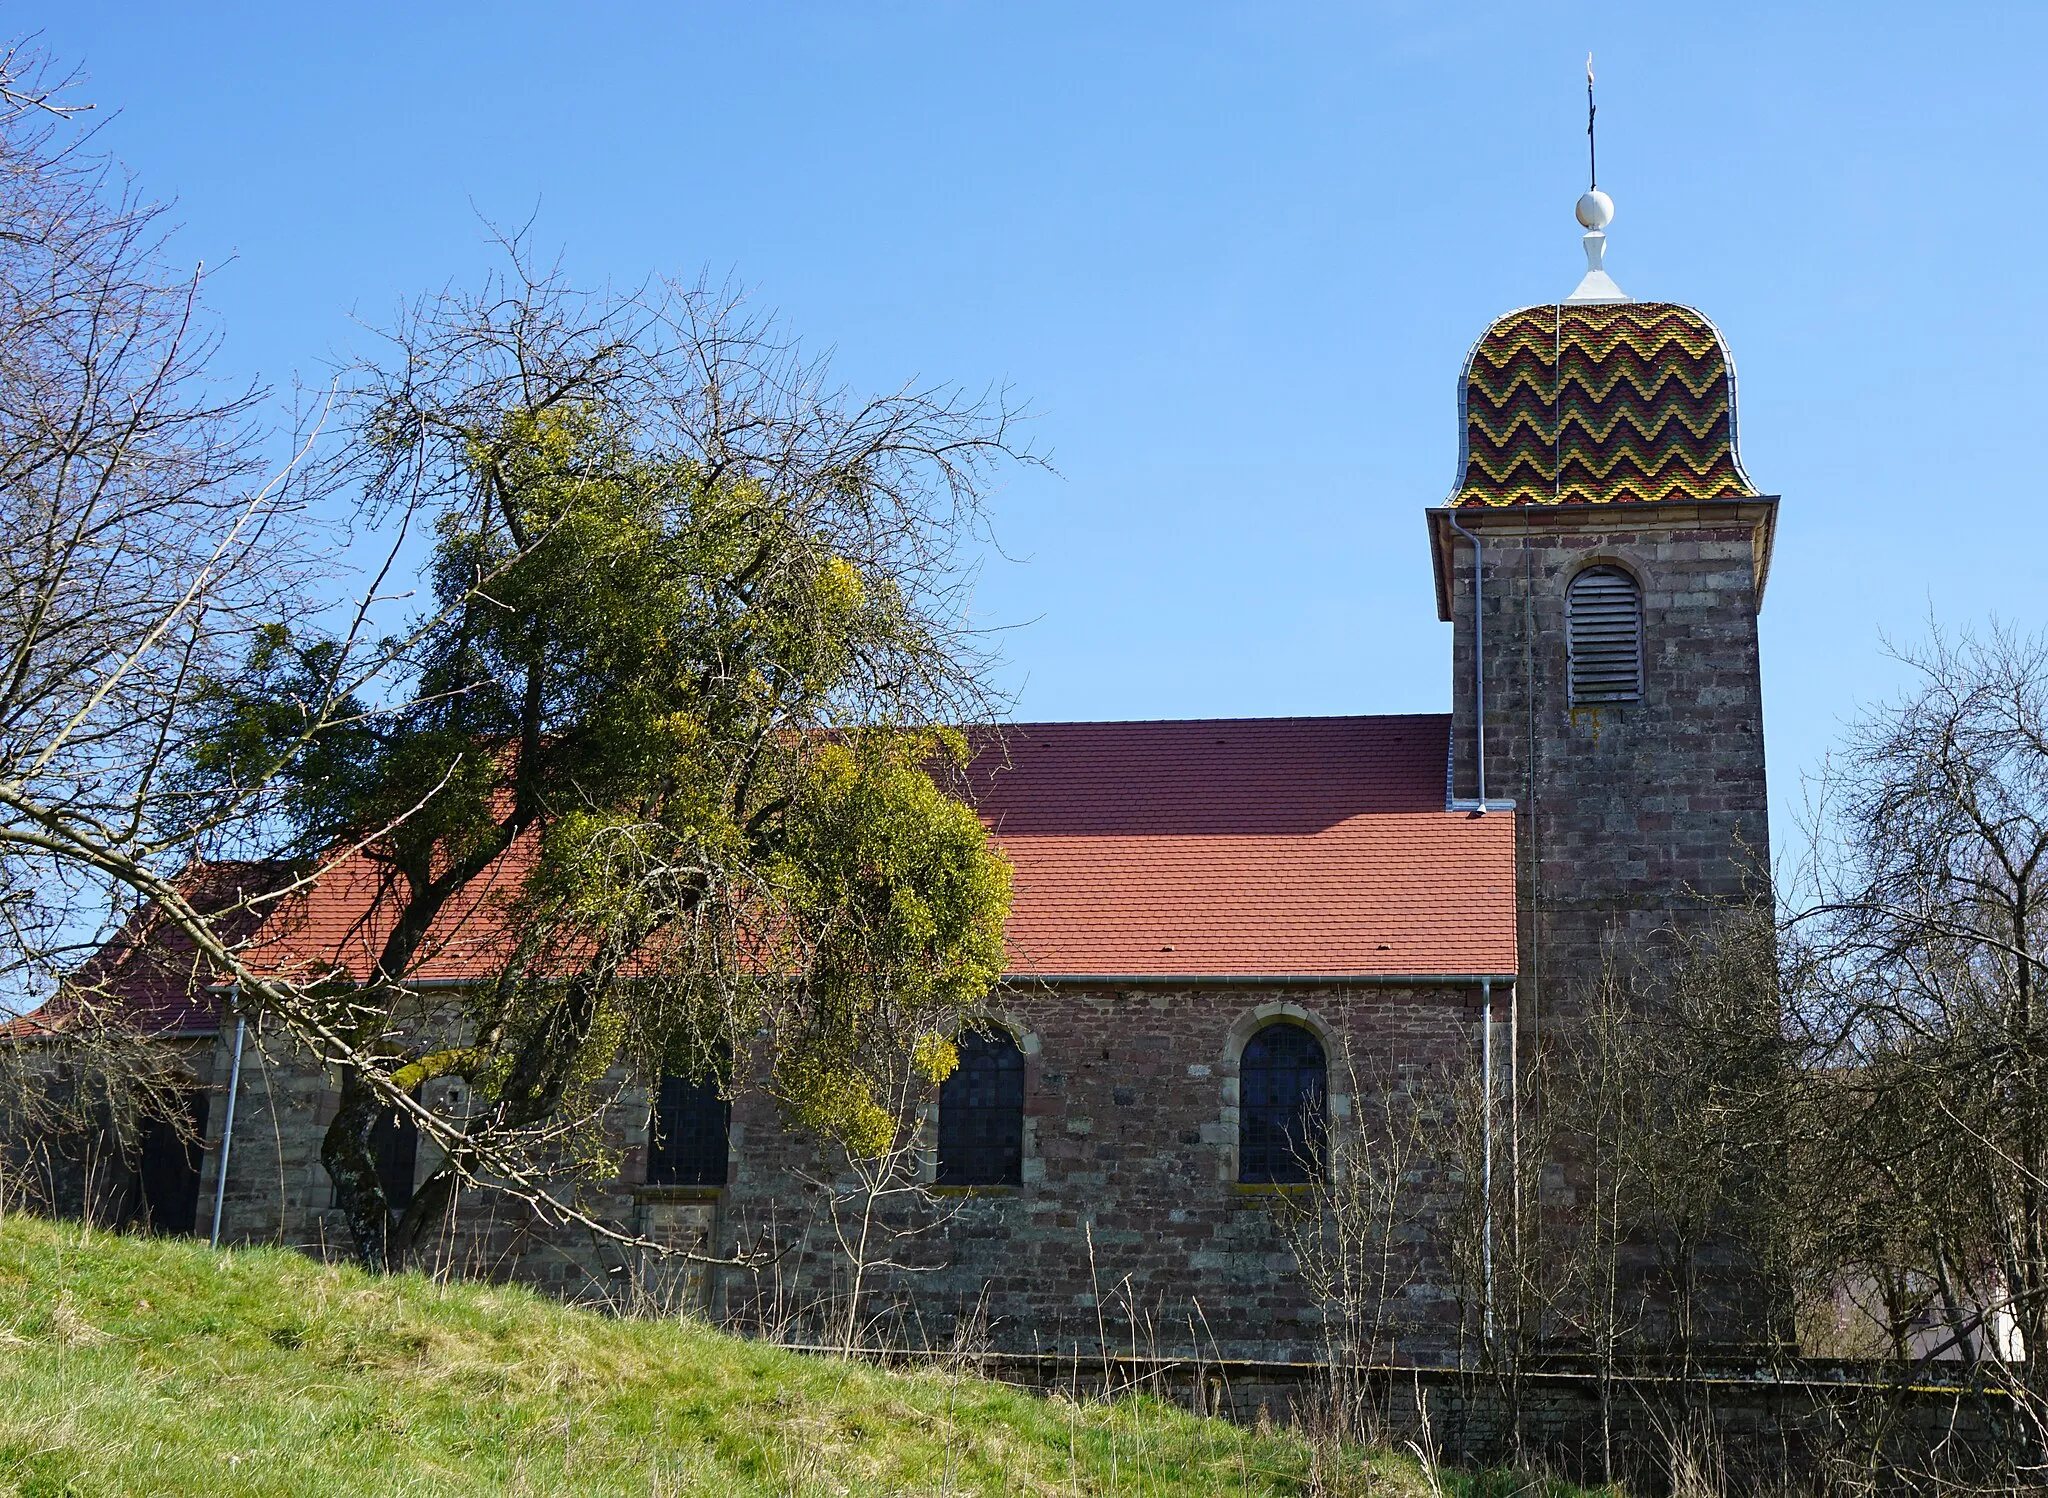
(1604, 636)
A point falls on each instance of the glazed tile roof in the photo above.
(1246, 847)
(1233, 847)
(1599, 404)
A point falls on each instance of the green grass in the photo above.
(137, 1366)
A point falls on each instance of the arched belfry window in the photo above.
(1604, 636)
(1282, 1079)
(692, 1129)
(981, 1113)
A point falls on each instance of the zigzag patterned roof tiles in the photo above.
(1599, 404)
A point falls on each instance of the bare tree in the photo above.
(1923, 928)
(1671, 1102)
(1499, 1139)
(879, 1213)
(695, 611)
(1355, 1232)
(1607, 1091)
(136, 543)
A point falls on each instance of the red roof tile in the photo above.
(343, 921)
(148, 977)
(1246, 847)
(1239, 847)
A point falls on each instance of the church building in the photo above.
(1234, 940)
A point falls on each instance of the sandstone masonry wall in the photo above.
(1129, 1203)
(1629, 816)
(1130, 1156)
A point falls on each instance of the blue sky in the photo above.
(1233, 254)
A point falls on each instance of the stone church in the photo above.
(1217, 922)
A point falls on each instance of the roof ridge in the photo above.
(1206, 722)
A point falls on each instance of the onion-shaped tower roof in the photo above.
(1598, 399)
(1599, 403)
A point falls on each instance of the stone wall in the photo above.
(62, 1150)
(1792, 1426)
(1129, 1222)
(279, 1192)
(1628, 816)
(1130, 1205)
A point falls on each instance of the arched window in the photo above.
(395, 1145)
(981, 1113)
(169, 1168)
(692, 1125)
(1603, 631)
(1281, 1082)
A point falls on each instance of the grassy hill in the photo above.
(137, 1366)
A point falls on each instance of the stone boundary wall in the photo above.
(1799, 1424)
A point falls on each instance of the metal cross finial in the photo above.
(1592, 160)
(1595, 211)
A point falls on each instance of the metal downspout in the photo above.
(1481, 805)
(1515, 1114)
(1486, 1146)
(227, 1133)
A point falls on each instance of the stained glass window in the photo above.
(981, 1113)
(1281, 1080)
(692, 1126)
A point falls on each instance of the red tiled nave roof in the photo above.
(149, 971)
(1229, 847)
(1246, 847)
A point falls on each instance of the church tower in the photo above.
(1602, 559)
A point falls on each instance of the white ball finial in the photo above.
(1596, 212)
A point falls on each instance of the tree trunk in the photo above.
(352, 1166)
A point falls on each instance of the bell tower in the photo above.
(1601, 560)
